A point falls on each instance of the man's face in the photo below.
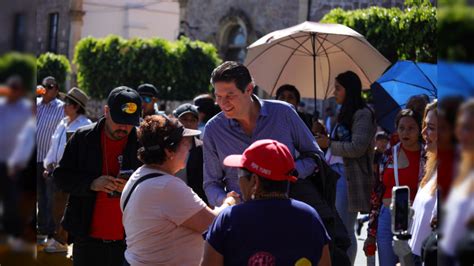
(289, 97)
(189, 121)
(115, 131)
(232, 101)
(148, 105)
(51, 91)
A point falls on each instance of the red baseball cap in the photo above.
(267, 158)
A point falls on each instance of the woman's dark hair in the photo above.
(353, 100)
(408, 113)
(231, 71)
(156, 134)
(290, 88)
(80, 111)
(448, 109)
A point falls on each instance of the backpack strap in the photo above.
(141, 179)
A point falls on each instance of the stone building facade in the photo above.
(17, 25)
(58, 25)
(233, 25)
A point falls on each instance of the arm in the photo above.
(213, 171)
(325, 259)
(200, 221)
(53, 148)
(211, 257)
(304, 143)
(363, 130)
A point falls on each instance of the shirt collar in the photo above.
(263, 110)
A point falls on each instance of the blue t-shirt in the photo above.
(268, 232)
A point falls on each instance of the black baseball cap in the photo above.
(147, 90)
(125, 106)
(185, 109)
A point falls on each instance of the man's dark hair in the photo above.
(231, 71)
(157, 133)
(290, 88)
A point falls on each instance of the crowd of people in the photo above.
(236, 179)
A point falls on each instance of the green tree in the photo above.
(50, 64)
(398, 34)
(16, 64)
(178, 69)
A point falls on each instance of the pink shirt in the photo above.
(153, 221)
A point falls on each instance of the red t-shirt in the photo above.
(107, 216)
(407, 176)
(445, 170)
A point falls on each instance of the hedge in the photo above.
(408, 34)
(16, 64)
(456, 33)
(179, 69)
(50, 64)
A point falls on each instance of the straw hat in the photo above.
(77, 96)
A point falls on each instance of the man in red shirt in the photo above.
(92, 161)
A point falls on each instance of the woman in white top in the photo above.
(459, 206)
(424, 204)
(163, 218)
(75, 109)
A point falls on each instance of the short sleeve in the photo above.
(217, 233)
(180, 202)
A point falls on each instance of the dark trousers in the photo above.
(92, 252)
(45, 193)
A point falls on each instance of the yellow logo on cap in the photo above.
(129, 108)
(303, 262)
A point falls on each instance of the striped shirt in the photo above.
(48, 117)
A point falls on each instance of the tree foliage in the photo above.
(16, 64)
(178, 69)
(408, 34)
(50, 64)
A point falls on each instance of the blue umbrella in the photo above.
(455, 79)
(402, 81)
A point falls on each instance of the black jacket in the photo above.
(80, 165)
(194, 169)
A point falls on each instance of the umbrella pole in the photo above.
(313, 44)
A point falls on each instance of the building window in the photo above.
(19, 32)
(53, 32)
(236, 43)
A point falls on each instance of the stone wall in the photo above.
(8, 10)
(46, 7)
(206, 19)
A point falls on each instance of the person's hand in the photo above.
(45, 173)
(233, 196)
(104, 183)
(370, 246)
(322, 140)
(120, 183)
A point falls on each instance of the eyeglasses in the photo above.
(146, 99)
(49, 86)
(242, 172)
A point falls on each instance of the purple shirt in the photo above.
(277, 120)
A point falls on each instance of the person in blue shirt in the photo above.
(244, 119)
(268, 228)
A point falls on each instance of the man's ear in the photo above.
(249, 88)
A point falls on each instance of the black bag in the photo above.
(319, 191)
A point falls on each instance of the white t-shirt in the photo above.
(459, 209)
(153, 218)
(424, 206)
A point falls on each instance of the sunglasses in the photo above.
(146, 99)
(49, 86)
(242, 172)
